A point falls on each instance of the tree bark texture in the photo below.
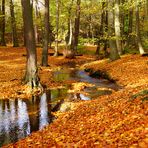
(76, 27)
(2, 41)
(101, 29)
(31, 76)
(69, 34)
(117, 27)
(50, 29)
(139, 42)
(13, 24)
(130, 26)
(36, 24)
(112, 42)
(57, 28)
(46, 35)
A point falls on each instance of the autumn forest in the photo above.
(74, 73)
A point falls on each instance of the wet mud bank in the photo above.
(99, 74)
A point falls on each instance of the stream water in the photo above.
(20, 117)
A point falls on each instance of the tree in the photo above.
(147, 8)
(106, 30)
(117, 27)
(130, 25)
(46, 35)
(112, 42)
(13, 24)
(76, 27)
(57, 27)
(2, 34)
(146, 16)
(138, 36)
(101, 29)
(36, 25)
(69, 34)
(31, 76)
(51, 36)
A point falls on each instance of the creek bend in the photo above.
(20, 117)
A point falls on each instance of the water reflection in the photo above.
(82, 76)
(18, 118)
(83, 97)
(64, 74)
(45, 110)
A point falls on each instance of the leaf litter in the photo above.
(108, 121)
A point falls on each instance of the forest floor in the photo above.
(116, 120)
(12, 67)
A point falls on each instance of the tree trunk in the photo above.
(147, 8)
(69, 53)
(2, 42)
(31, 76)
(101, 29)
(117, 27)
(57, 28)
(112, 42)
(141, 50)
(13, 24)
(42, 24)
(130, 26)
(36, 25)
(130, 21)
(106, 53)
(69, 34)
(122, 25)
(146, 17)
(76, 27)
(46, 35)
(50, 29)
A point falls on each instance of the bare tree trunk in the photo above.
(112, 42)
(69, 37)
(13, 23)
(69, 41)
(50, 29)
(2, 41)
(0, 22)
(106, 30)
(70, 34)
(76, 27)
(141, 49)
(36, 25)
(117, 27)
(130, 26)
(146, 18)
(57, 28)
(122, 15)
(101, 29)
(31, 76)
(42, 24)
(46, 35)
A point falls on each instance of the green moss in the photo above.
(142, 94)
(144, 99)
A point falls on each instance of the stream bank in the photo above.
(21, 117)
(111, 121)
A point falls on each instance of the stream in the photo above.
(20, 117)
